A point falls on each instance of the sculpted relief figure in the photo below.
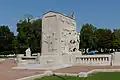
(28, 52)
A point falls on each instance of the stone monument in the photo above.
(60, 46)
(59, 39)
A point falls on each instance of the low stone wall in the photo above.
(81, 74)
(86, 74)
(103, 70)
(94, 60)
(47, 73)
(116, 59)
(24, 60)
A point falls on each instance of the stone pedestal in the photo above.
(116, 59)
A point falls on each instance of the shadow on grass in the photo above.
(61, 77)
(77, 78)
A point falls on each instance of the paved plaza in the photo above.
(7, 74)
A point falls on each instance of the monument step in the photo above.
(44, 67)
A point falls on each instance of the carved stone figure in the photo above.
(28, 52)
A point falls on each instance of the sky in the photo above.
(101, 13)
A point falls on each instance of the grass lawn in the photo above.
(98, 76)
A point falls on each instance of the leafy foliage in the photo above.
(6, 38)
(103, 39)
(99, 39)
(29, 35)
(87, 38)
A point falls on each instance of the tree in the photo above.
(15, 45)
(29, 34)
(87, 38)
(22, 37)
(104, 38)
(116, 39)
(6, 38)
(36, 40)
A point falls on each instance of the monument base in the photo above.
(58, 59)
(42, 67)
(50, 62)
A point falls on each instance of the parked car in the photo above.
(92, 52)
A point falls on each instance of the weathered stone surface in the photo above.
(59, 39)
(116, 59)
(59, 34)
(48, 73)
(28, 52)
(83, 74)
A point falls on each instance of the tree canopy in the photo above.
(6, 38)
(99, 39)
(29, 34)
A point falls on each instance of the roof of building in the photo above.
(60, 14)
